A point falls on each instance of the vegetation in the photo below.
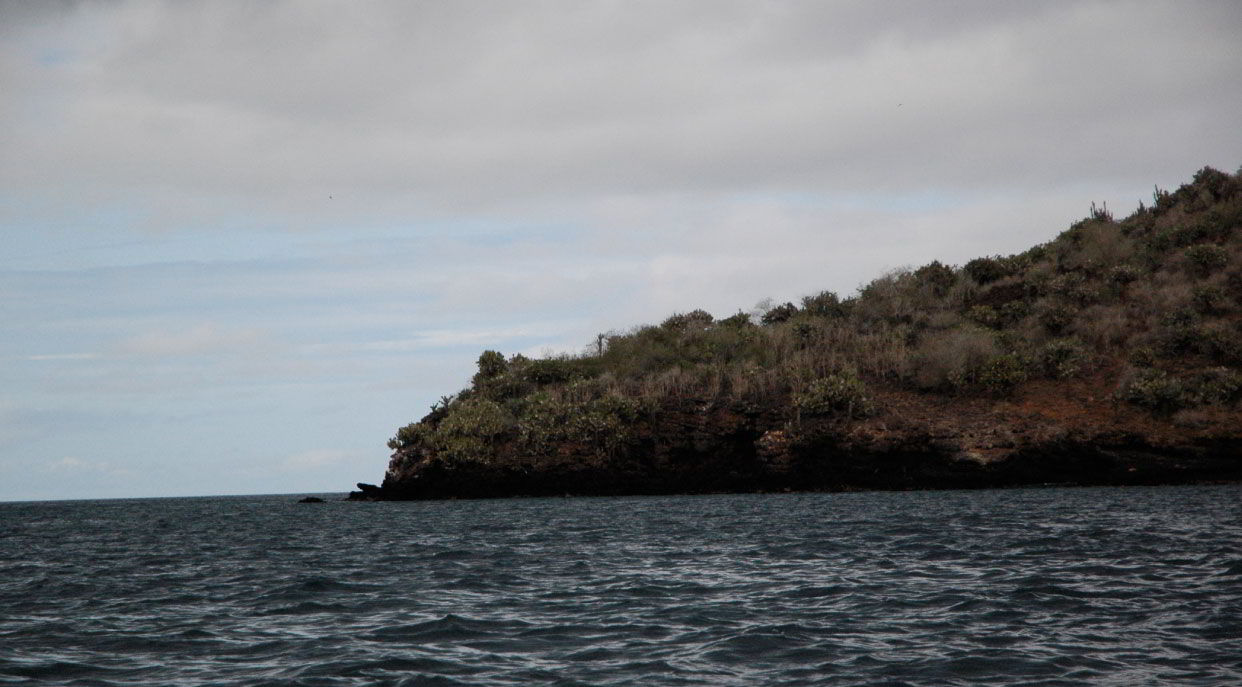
(1151, 304)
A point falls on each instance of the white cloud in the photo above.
(81, 466)
(200, 339)
(63, 356)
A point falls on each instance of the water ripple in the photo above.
(1050, 587)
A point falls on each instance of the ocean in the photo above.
(1054, 586)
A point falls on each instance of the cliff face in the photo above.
(1107, 356)
(1051, 434)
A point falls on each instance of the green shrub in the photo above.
(1209, 186)
(950, 359)
(780, 313)
(1002, 374)
(1093, 245)
(603, 425)
(470, 430)
(693, 320)
(938, 276)
(491, 364)
(737, 321)
(1072, 288)
(1209, 299)
(1233, 285)
(408, 436)
(1154, 390)
(1216, 184)
(987, 270)
(1161, 201)
(550, 371)
(985, 315)
(1143, 356)
(1014, 311)
(1062, 358)
(804, 333)
(824, 304)
(1222, 343)
(1215, 386)
(838, 394)
(1205, 258)
(1123, 274)
(1056, 317)
(1179, 333)
(504, 387)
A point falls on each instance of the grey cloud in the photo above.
(407, 109)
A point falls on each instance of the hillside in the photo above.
(1109, 355)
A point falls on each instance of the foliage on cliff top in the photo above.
(1157, 295)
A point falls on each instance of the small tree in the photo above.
(780, 313)
(823, 304)
(1205, 258)
(491, 364)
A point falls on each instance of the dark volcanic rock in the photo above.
(914, 445)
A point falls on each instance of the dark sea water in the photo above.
(1133, 586)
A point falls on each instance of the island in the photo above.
(1107, 356)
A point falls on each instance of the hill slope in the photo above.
(1108, 355)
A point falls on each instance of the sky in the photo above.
(242, 242)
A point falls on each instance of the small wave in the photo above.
(312, 586)
(876, 589)
(450, 628)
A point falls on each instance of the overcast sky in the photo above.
(244, 241)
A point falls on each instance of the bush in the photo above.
(408, 436)
(804, 334)
(550, 371)
(1056, 317)
(1179, 333)
(1233, 285)
(824, 304)
(1123, 274)
(1093, 245)
(780, 313)
(1143, 356)
(491, 364)
(1072, 288)
(1209, 299)
(985, 315)
(1223, 344)
(1002, 374)
(695, 319)
(939, 277)
(838, 394)
(986, 270)
(1014, 311)
(738, 321)
(1215, 386)
(1216, 184)
(1062, 358)
(1154, 390)
(1205, 258)
(470, 430)
(603, 425)
(950, 359)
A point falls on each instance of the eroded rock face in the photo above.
(914, 442)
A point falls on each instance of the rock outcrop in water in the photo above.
(1107, 356)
